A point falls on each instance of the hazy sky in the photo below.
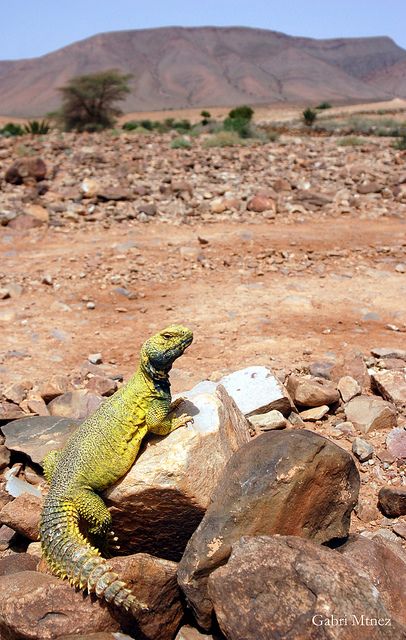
(34, 27)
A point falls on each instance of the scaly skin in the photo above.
(100, 452)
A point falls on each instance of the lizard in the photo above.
(100, 452)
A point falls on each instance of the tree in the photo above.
(89, 102)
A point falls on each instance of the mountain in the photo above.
(175, 67)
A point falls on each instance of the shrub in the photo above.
(206, 115)
(130, 125)
(323, 105)
(37, 128)
(239, 125)
(89, 102)
(244, 113)
(223, 139)
(11, 129)
(181, 143)
(351, 141)
(309, 116)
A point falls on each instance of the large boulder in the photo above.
(286, 482)
(160, 502)
(36, 606)
(286, 587)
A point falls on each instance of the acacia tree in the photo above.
(89, 102)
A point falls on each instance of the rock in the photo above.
(384, 565)
(292, 588)
(6, 535)
(368, 413)
(103, 635)
(47, 607)
(348, 388)
(54, 387)
(22, 515)
(36, 436)
(312, 415)
(160, 502)
(269, 486)
(352, 364)
(268, 421)
(101, 386)
(15, 393)
(35, 550)
(392, 501)
(38, 212)
(77, 404)
(4, 456)
(37, 406)
(389, 352)
(400, 529)
(312, 392)
(362, 450)
(321, 369)
(396, 443)
(257, 390)
(260, 203)
(190, 633)
(369, 187)
(10, 411)
(24, 222)
(24, 168)
(153, 581)
(16, 563)
(149, 209)
(218, 205)
(391, 385)
(95, 358)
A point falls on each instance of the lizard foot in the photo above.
(181, 421)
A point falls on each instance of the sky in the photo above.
(36, 27)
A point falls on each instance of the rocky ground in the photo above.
(289, 255)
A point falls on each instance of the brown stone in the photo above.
(15, 393)
(287, 482)
(25, 222)
(42, 607)
(23, 515)
(396, 443)
(160, 502)
(6, 536)
(352, 364)
(4, 456)
(16, 563)
(55, 387)
(77, 404)
(392, 501)
(348, 388)
(385, 566)
(283, 587)
(369, 187)
(10, 411)
(153, 581)
(102, 386)
(259, 204)
(368, 413)
(38, 212)
(190, 633)
(312, 392)
(33, 167)
(391, 385)
(312, 415)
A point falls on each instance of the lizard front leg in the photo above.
(160, 421)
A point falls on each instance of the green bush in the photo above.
(309, 116)
(130, 125)
(239, 125)
(323, 105)
(243, 113)
(181, 143)
(10, 129)
(206, 115)
(37, 128)
(351, 141)
(223, 139)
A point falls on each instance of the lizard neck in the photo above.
(159, 378)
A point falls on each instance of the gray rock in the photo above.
(95, 358)
(362, 449)
(389, 352)
(37, 435)
(368, 413)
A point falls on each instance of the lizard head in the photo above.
(165, 347)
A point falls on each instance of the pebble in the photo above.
(312, 415)
(90, 305)
(95, 358)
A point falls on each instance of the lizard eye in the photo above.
(167, 336)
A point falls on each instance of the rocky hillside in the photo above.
(176, 67)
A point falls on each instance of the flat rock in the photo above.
(317, 413)
(10, 411)
(257, 390)
(36, 606)
(160, 502)
(391, 385)
(153, 581)
(15, 393)
(23, 514)
(54, 387)
(368, 413)
(38, 435)
(348, 388)
(269, 486)
(312, 392)
(77, 404)
(268, 421)
(389, 352)
(288, 587)
(396, 443)
(392, 501)
(385, 566)
(16, 563)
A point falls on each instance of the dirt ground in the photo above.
(241, 314)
